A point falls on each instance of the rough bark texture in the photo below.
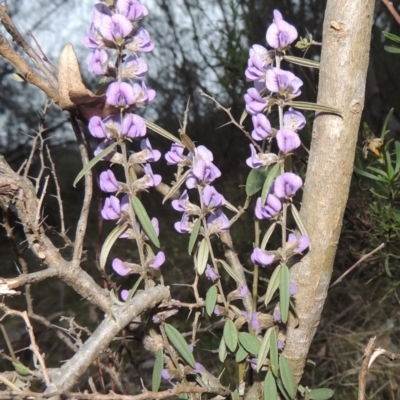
(344, 62)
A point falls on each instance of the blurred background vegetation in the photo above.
(202, 44)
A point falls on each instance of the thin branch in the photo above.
(362, 377)
(392, 10)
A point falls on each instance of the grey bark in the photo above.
(344, 62)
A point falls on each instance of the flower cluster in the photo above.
(116, 43)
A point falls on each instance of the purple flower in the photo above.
(108, 182)
(292, 289)
(277, 314)
(97, 62)
(158, 260)
(111, 209)
(93, 40)
(203, 168)
(272, 207)
(258, 62)
(175, 155)
(281, 345)
(283, 82)
(211, 198)
(262, 127)
(261, 257)
(184, 225)
(165, 375)
(181, 203)
(141, 41)
(300, 241)
(134, 67)
(124, 294)
(142, 95)
(120, 94)
(218, 221)
(254, 321)
(280, 34)
(243, 291)
(102, 146)
(294, 120)
(119, 267)
(287, 184)
(210, 273)
(115, 28)
(99, 12)
(287, 140)
(151, 155)
(255, 104)
(131, 9)
(256, 160)
(198, 368)
(133, 126)
(217, 310)
(152, 179)
(97, 128)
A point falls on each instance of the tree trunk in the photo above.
(344, 62)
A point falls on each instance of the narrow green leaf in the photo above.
(135, 287)
(304, 105)
(368, 175)
(109, 242)
(397, 149)
(202, 256)
(267, 236)
(378, 171)
(243, 117)
(230, 335)
(273, 352)
(193, 235)
(299, 222)
(264, 349)
(235, 395)
(273, 172)
(287, 376)
(180, 344)
(21, 369)
(211, 299)
(231, 207)
(176, 186)
(284, 296)
(282, 389)
(392, 49)
(255, 181)
(391, 36)
(305, 62)
(250, 343)
(273, 284)
(144, 220)
(270, 390)
(384, 130)
(320, 394)
(222, 353)
(229, 270)
(389, 166)
(241, 354)
(157, 129)
(93, 162)
(157, 370)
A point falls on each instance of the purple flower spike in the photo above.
(262, 127)
(133, 126)
(255, 104)
(211, 198)
(287, 140)
(108, 182)
(287, 184)
(294, 120)
(175, 155)
(115, 28)
(124, 294)
(119, 267)
(97, 62)
(292, 289)
(131, 9)
(280, 34)
(272, 207)
(302, 242)
(218, 221)
(283, 82)
(97, 128)
(210, 273)
(152, 155)
(120, 94)
(111, 209)
(153, 179)
(158, 260)
(261, 257)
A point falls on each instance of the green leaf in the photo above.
(193, 235)
(250, 343)
(282, 389)
(135, 287)
(273, 284)
(157, 129)
(389, 166)
(157, 370)
(273, 172)
(287, 376)
(109, 242)
(392, 49)
(299, 222)
(222, 353)
(21, 369)
(231, 207)
(180, 344)
(320, 394)
(211, 299)
(243, 117)
(230, 335)
(264, 349)
(391, 36)
(304, 105)
(368, 175)
(229, 270)
(144, 220)
(235, 395)
(202, 256)
(384, 130)
(93, 162)
(267, 236)
(270, 390)
(176, 186)
(284, 296)
(305, 62)
(255, 181)
(397, 149)
(273, 353)
(241, 354)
